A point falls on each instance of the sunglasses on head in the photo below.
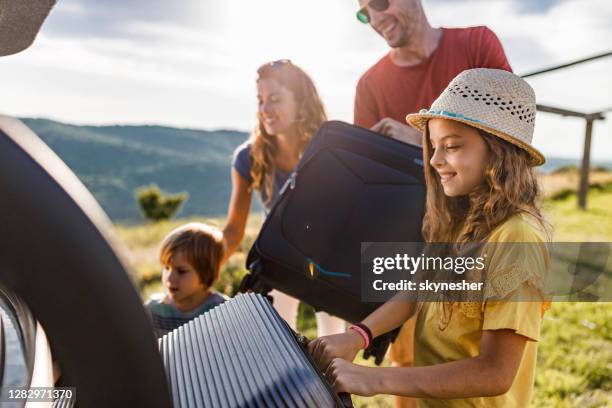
(378, 5)
(280, 62)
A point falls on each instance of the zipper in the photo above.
(290, 183)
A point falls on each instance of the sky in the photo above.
(192, 63)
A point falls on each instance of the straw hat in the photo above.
(496, 101)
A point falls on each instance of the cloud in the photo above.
(193, 62)
(520, 6)
(534, 6)
(108, 18)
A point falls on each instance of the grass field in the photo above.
(575, 354)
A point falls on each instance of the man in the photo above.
(421, 63)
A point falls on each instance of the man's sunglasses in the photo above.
(378, 5)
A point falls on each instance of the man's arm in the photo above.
(366, 115)
(398, 131)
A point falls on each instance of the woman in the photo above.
(290, 112)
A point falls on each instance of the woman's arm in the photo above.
(237, 214)
(390, 315)
(491, 373)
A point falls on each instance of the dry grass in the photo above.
(574, 367)
(553, 183)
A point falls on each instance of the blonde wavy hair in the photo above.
(311, 115)
(510, 188)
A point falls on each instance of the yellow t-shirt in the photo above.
(518, 272)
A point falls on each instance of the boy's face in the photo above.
(181, 280)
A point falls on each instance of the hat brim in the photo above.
(419, 122)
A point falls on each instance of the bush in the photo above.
(572, 168)
(601, 169)
(569, 168)
(563, 194)
(156, 205)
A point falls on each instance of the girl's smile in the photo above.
(446, 176)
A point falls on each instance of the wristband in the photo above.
(368, 331)
(364, 332)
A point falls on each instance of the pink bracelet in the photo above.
(366, 338)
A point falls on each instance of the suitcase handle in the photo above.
(343, 397)
(379, 346)
(251, 281)
(346, 400)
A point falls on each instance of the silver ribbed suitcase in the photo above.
(242, 354)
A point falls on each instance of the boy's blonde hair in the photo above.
(200, 244)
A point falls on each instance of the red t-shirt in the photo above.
(387, 90)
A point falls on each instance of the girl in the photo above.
(289, 113)
(481, 188)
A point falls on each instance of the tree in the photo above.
(156, 205)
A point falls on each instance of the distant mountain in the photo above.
(113, 161)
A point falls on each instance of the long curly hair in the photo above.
(311, 116)
(510, 188)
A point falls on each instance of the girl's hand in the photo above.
(344, 345)
(348, 377)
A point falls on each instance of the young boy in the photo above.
(191, 257)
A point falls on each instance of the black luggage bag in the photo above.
(351, 185)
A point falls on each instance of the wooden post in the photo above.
(586, 156)
(584, 172)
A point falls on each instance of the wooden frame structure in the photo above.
(586, 153)
(588, 117)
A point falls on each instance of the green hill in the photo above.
(112, 161)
